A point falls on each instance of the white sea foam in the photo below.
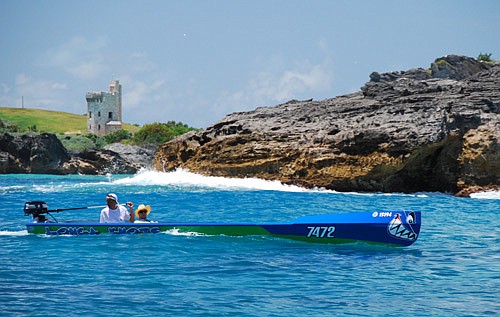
(11, 188)
(494, 194)
(14, 233)
(175, 232)
(184, 178)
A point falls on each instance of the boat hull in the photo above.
(393, 227)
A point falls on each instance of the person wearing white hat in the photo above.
(142, 213)
(114, 212)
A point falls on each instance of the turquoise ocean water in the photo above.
(452, 270)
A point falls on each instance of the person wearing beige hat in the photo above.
(114, 212)
(142, 213)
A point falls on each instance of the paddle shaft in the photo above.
(78, 208)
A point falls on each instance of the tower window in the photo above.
(90, 114)
(98, 113)
(110, 115)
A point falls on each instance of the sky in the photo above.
(196, 61)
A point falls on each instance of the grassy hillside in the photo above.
(50, 121)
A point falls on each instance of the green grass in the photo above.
(50, 121)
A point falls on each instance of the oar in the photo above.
(78, 208)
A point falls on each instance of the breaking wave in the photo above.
(184, 178)
(486, 195)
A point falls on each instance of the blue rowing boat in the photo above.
(400, 228)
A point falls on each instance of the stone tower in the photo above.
(104, 110)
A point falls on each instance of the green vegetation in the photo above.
(81, 143)
(71, 129)
(157, 133)
(484, 58)
(118, 136)
(441, 62)
(37, 120)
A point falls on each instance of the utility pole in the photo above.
(22, 101)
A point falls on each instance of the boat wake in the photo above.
(14, 233)
(175, 232)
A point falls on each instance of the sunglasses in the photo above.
(142, 211)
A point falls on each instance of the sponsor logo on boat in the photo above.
(79, 231)
(381, 214)
(133, 230)
(74, 231)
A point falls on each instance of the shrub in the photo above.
(484, 57)
(117, 136)
(441, 62)
(152, 134)
(179, 128)
(6, 126)
(82, 143)
(158, 133)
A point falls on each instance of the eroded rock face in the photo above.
(99, 163)
(419, 130)
(45, 154)
(37, 154)
(134, 154)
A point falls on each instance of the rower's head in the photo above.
(111, 200)
(142, 211)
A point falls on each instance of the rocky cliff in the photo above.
(45, 154)
(433, 129)
(31, 154)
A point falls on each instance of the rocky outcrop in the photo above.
(37, 154)
(99, 163)
(45, 154)
(416, 130)
(132, 153)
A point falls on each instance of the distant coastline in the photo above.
(430, 129)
